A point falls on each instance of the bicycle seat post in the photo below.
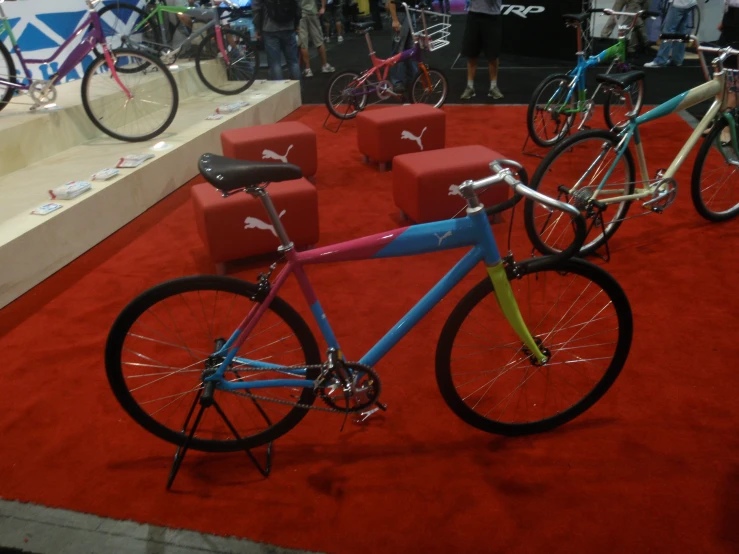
(263, 195)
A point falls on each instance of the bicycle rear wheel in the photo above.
(622, 101)
(161, 343)
(715, 183)
(124, 27)
(575, 310)
(572, 172)
(547, 119)
(7, 72)
(431, 90)
(230, 75)
(344, 97)
(151, 106)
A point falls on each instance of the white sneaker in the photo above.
(340, 39)
(307, 73)
(327, 39)
(654, 64)
(328, 69)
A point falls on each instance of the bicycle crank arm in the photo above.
(365, 415)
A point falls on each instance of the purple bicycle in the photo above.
(127, 94)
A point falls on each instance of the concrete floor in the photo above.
(40, 530)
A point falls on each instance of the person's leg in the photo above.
(666, 48)
(289, 43)
(682, 28)
(274, 59)
(492, 44)
(303, 37)
(607, 31)
(471, 47)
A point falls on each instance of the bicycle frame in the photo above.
(473, 230)
(616, 52)
(161, 9)
(701, 93)
(95, 37)
(381, 67)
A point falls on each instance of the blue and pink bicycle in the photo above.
(126, 93)
(202, 342)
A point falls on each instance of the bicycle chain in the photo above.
(286, 402)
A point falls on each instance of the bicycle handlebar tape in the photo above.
(596, 10)
(675, 36)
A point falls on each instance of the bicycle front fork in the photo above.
(509, 307)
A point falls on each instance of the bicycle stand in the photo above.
(531, 153)
(328, 128)
(206, 400)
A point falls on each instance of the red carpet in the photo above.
(653, 467)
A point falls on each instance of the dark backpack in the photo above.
(281, 11)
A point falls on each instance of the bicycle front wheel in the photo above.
(715, 183)
(573, 172)
(229, 73)
(163, 341)
(7, 72)
(430, 88)
(127, 26)
(551, 114)
(136, 102)
(577, 313)
(345, 98)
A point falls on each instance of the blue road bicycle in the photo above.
(199, 342)
(560, 99)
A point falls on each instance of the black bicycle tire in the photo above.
(8, 95)
(124, 5)
(543, 168)
(247, 42)
(153, 61)
(531, 112)
(695, 184)
(327, 99)
(480, 291)
(607, 106)
(443, 78)
(130, 313)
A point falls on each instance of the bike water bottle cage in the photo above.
(229, 175)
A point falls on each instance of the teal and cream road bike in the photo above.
(595, 171)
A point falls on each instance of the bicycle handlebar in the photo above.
(470, 189)
(723, 52)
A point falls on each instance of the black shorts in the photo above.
(482, 33)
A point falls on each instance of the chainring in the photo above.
(365, 385)
(385, 90)
(36, 91)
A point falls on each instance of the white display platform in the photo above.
(46, 150)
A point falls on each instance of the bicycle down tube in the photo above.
(473, 230)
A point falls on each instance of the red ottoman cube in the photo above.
(388, 132)
(422, 182)
(238, 227)
(289, 141)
